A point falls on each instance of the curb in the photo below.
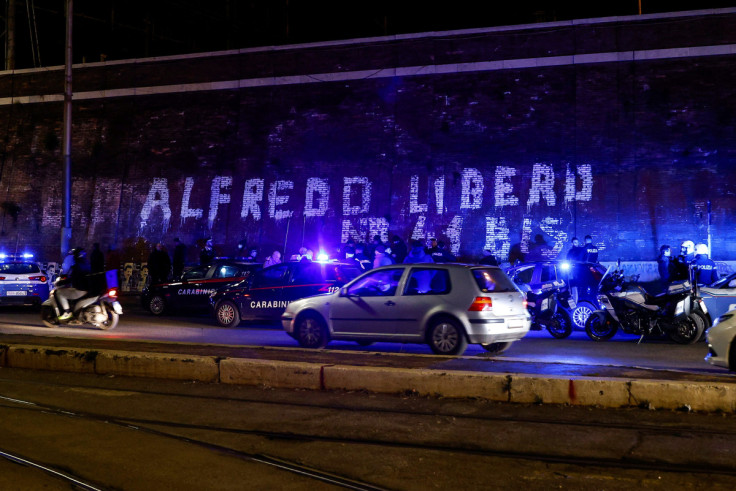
(500, 387)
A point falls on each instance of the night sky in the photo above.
(121, 29)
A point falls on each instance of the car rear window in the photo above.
(493, 280)
(19, 268)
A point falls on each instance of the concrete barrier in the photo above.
(158, 365)
(697, 396)
(580, 391)
(45, 358)
(491, 386)
(270, 373)
(516, 388)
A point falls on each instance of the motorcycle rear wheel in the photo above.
(599, 327)
(48, 316)
(688, 330)
(111, 322)
(560, 326)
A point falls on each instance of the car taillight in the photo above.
(2, 277)
(525, 302)
(38, 278)
(481, 304)
(112, 292)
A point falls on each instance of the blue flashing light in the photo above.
(27, 255)
(322, 257)
(3, 255)
(565, 266)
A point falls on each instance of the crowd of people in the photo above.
(376, 253)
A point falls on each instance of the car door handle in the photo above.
(390, 303)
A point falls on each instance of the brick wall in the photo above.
(622, 129)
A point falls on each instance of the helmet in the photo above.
(79, 252)
(701, 249)
(687, 247)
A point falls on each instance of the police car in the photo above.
(269, 291)
(22, 282)
(192, 291)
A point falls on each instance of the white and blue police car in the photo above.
(22, 281)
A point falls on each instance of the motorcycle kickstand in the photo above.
(641, 338)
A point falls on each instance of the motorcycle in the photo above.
(629, 307)
(101, 311)
(543, 308)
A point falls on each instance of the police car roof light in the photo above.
(323, 257)
(565, 266)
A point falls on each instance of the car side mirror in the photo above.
(344, 292)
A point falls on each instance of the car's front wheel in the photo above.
(312, 332)
(446, 337)
(227, 314)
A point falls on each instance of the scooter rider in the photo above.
(681, 269)
(706, 271)
(78, 283)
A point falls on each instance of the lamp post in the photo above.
(66, 229)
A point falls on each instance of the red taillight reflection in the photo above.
(112, 292)
(481, 304)
(526, 303)
(38, 278)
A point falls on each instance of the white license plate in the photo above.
(516, 325)
(15, 294)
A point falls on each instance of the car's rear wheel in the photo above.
(312, 331)
(227, 314)
(496, 348)
(157, 305)
(446, 337)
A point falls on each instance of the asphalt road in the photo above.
(538, 346)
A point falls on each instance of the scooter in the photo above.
(101, 311)
(629, 307)
(543, 308)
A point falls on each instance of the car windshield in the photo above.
(19, 268)
(493, 280)
(196, 273)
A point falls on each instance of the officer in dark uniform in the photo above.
(590, 251)
(706, 271)
(576, 252)
(681, 268)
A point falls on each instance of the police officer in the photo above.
(590, 251)
(576, 252)
(207, 255)
(681, 267)
(665, 265)
(706, 271)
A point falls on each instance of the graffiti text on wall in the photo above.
(492, 193)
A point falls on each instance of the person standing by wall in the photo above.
(180, 256)
(159, 265)
(207, 255)
(706, 271)
(590, 250)
(273, 259)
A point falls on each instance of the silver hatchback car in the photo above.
(446, 306)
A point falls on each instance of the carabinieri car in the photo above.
(443, 305)
(269, 291)
(192, 291)
(22, 282)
